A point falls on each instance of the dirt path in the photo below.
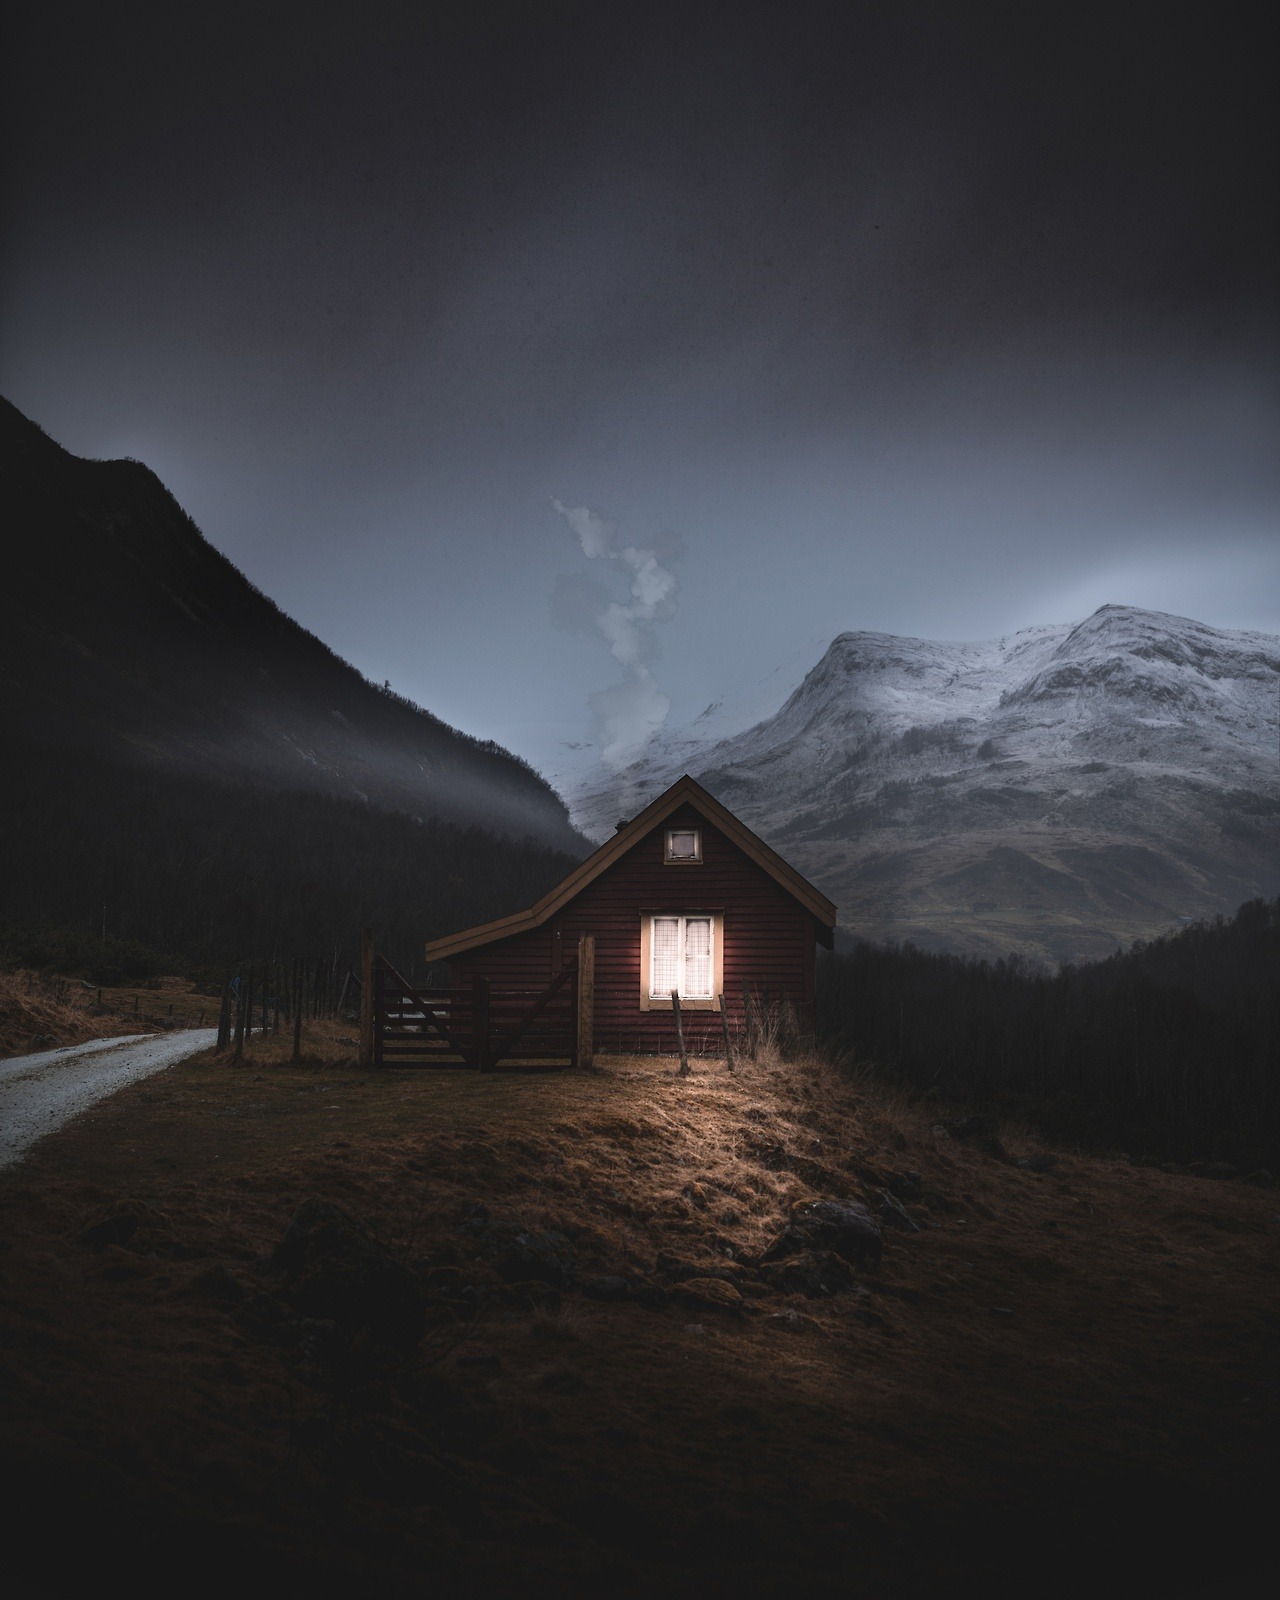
(41, 1092)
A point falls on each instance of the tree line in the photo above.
(123, 872)
(1170, 1049)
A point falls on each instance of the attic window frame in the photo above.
(695, 860)
(658, 1002)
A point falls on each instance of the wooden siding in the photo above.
(768, 939)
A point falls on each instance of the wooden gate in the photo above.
(475, 1027)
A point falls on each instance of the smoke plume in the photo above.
(627, 714)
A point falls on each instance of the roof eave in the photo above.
(684, 789)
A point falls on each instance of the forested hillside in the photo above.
(1170, 1048)
(120, 871)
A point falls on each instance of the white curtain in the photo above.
(697, 958)
(681, 957)
(666, 955)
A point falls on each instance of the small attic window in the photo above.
(684, 846)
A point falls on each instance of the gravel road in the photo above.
(39, 1093)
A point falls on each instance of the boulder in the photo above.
(531, 1294)
(813, 1273)
(708, 1294)
(844, 1226)
(137, 1226)
(893, 1214)
(543, 1257)
(607, 1287)
(677, 1271)
(523, 1255)
(908, 1185)
(335, 1272)
(789, 1317)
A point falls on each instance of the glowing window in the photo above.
(684, 844)
(682, 957)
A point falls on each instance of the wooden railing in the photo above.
(477, 1026)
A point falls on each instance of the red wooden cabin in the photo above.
(684, 896)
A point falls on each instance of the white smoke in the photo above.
(627, 714)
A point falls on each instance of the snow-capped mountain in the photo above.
(1056, 792)
(578, 768)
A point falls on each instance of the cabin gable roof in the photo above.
(684, 790)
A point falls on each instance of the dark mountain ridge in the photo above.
(126, 633)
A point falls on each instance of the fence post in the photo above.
(368, 998)
(684, 1059)
(224, 1018)
(586, 999)
(748, 1022)
(297, 1023)
(480, 988)
(239, 1051)
(728, 1041)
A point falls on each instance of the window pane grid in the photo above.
(681, 957)
(697, 958)
(666, 955)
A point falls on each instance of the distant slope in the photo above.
(99, 857)
(1056, 792)
(124, 631)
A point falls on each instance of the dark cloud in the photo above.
(915, 316)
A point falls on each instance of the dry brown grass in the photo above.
(42, 1006)
(1053, 1360)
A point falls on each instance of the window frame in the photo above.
(695, 860)
(652, 1002)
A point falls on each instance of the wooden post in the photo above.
(480, 988)
(224, 1018)
(684, 1059)
(368, 998)
(748, 1021)
(248, 1005)
(266, 1000)
(239, 1052)
(728, 1039)
(297, 1018)
(586, 999)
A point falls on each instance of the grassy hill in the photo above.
(1066, 1371)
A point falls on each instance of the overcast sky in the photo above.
(942, 320)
